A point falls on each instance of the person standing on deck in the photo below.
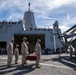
(38, 52)
(10, 52)
(16, 53)
(24, 49)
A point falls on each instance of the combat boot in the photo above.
(38, 66)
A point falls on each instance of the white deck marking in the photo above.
(57, 66)
(45, 64)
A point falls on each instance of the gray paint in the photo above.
(8, 30)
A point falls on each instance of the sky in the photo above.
(46, 12)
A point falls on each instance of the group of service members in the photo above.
(24, 52)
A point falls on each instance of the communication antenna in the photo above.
(29, 5)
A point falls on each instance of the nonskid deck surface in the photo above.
(50, 64)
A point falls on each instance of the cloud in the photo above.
(46, 11)
(67, 22)
(39, 6)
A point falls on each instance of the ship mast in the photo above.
(29, 6)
